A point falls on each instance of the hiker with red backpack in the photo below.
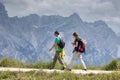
(79, 48)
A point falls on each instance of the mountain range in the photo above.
(29, 38)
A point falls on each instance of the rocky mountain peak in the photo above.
(75, 17)
(3, 12)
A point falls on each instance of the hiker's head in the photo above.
(56, 33)
(75, 34)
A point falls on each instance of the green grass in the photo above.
(39, 65)
(12, 63)
(40, 75)
(113, 65)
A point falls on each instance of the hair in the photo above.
(56, 32)
(75, 34)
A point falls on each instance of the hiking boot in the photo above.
(63, 68)
(51, 68)
(84, 69)
(69, 69)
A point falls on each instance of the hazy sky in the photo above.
(88, 10)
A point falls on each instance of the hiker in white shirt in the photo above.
(76, 52)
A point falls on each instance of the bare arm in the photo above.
(52, 46)
(75, 44)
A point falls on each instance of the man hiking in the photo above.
(58, 50)
(76, 52)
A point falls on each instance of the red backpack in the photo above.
(83, 45)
